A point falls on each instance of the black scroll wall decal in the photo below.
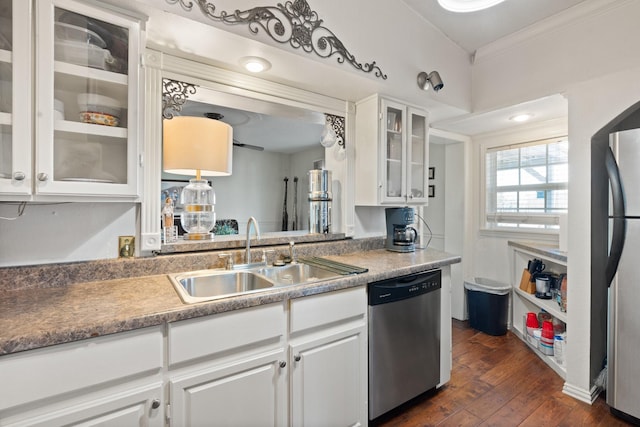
(337, 124)
(292, 22)
(174, 94)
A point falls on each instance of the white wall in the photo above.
(555, 55)
(594, 62)
(592, 105)
(434, 213)
(372, 30)
(64, 232)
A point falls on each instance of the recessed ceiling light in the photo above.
(255, 64)
(467, 5)
(521, 117)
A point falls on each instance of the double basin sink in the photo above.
(208, 285)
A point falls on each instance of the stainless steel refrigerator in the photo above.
(623, 275)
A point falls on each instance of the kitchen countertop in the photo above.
(543, 250)
(37, 317)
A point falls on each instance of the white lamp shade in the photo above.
(197, 143)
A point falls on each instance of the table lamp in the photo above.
(197, 146)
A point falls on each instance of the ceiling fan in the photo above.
(218, 116)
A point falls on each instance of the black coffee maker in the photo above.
(401, 236)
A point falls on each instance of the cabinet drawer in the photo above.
(328, 308)
(39, 374)
(204, 336)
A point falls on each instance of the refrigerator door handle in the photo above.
(619, 221)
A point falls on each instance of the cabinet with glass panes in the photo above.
(87, 102)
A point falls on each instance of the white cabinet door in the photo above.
(141, 407)
(327, 381)
(392, 153)
(417, 164)
(15, 98)
(249, 392)
(87, 100)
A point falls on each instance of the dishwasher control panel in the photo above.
(403, 287)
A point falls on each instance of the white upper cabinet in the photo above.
(15, 97)
(392, 153)
(87, 103)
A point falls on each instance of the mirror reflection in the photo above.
(275, 146)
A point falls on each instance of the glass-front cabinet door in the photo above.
(405, 153)
(15, 97)
(418, 157)
(394, 151)
(87, 92)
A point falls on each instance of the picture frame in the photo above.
(432, 173)
(432, 191)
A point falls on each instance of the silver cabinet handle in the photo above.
(155, 404)
(283, 363)
(19, 176)
(297, 357)
(42, 176)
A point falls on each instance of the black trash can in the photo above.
(488, 305)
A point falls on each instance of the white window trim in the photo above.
(504, 140)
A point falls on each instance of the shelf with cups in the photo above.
(548, 305)
(524, 302)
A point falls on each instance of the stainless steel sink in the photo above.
(295, 274)
(208, 285)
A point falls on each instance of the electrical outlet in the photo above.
(126, 246)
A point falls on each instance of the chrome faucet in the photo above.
(247, 253)
(292, 253)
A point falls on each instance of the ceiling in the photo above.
(474, 30)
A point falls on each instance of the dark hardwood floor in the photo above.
(497, 381)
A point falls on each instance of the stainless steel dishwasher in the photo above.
(404, 339)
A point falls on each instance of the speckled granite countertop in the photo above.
(547, 251)
(37, 317)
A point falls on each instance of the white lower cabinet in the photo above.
(139, 407)
(297, 363)
(225, 369)
(326, 383)
(108, 381)
(301, 362)
(328, 349)
(247, 393)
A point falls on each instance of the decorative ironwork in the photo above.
(337, 124)
(174, 94)
(292, 22)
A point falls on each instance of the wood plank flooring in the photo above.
(497, 381)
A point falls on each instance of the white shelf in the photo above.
(549, 305)
(90, 129)
(524, 302)
(90, 73)
(549, 360)
(5, 56)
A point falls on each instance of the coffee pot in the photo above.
(401, 236)
(404, 235)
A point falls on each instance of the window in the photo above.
(527, 184)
